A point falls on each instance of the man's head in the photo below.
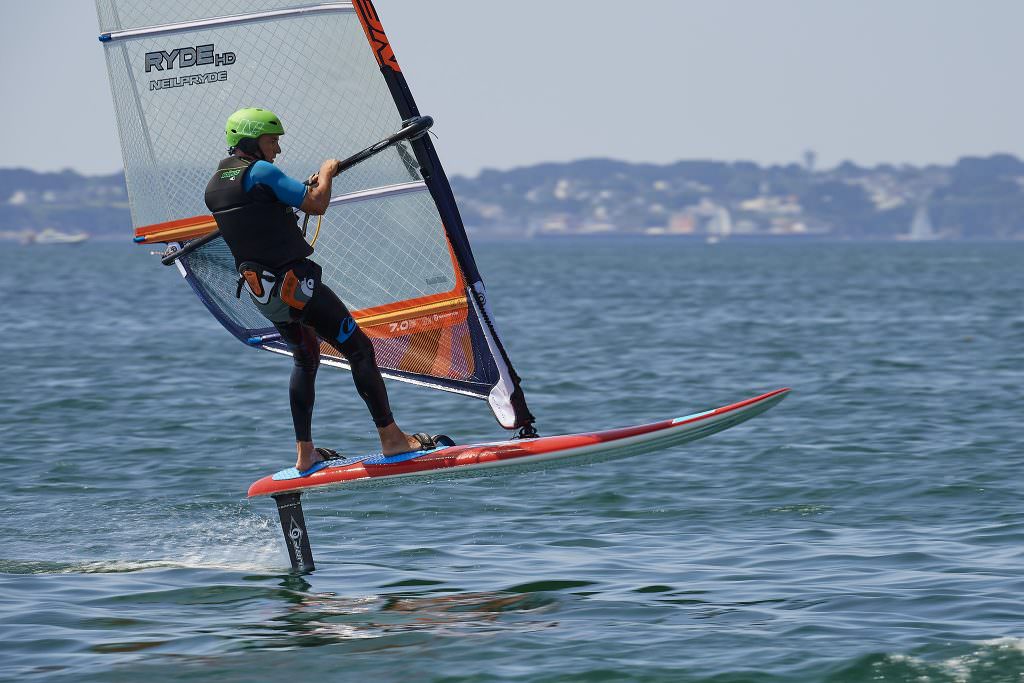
(254, 132)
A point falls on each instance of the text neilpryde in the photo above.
(186, 57)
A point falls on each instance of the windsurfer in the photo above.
(252, 201)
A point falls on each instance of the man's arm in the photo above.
(287, 189)
(319, 194)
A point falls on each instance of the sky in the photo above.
(516, 83)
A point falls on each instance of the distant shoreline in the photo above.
(977, 198)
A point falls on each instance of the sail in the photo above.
(921, 227)
(392, 245)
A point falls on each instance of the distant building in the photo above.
(681, 223)
(594, 227)
(772, 205)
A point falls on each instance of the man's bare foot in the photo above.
(306, 455)
(394, 441)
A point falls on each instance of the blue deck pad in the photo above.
(378, 459)
(691, 417)
(370, 459)
(292, 473)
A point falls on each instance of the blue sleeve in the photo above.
(288, 190)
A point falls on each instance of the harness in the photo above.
(279, 295)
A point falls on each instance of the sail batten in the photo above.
(185, 26)
(392, 244)
(121, 16)
(390, 190)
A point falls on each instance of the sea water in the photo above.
(869, 528)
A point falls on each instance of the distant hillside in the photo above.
(976, 198)
(67, 201)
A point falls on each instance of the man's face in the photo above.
(270, 146)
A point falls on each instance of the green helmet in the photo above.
(251, 123)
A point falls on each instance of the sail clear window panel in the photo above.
(215, 277)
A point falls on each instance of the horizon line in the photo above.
(487, 169)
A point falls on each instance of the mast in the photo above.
(509, 390)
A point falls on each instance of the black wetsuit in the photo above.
(326, 317)
(260, 229)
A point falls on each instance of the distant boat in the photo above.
(720, 225)
(52, 236)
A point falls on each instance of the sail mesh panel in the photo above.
(315, 72)
(387, 257)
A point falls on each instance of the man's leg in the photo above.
(305, 348)
(326, 313)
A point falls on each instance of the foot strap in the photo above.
(429, 443)
(426, 441)
(328, 454)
